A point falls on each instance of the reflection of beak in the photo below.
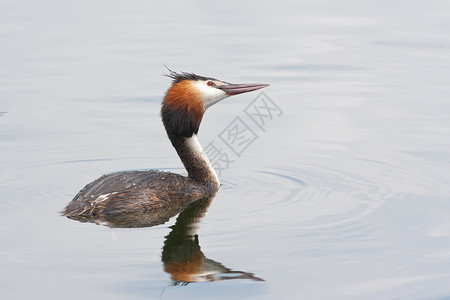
(234, 89)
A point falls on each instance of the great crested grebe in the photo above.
(182, 111)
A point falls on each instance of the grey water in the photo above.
(339, 190)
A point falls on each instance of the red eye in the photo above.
(210, 83)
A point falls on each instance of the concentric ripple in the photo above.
(321, 193)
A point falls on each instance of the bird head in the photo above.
(190, 95)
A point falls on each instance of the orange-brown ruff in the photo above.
(183, 96)
(155, 191)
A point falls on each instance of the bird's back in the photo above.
(135, 192)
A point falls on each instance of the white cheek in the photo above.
(209, 95)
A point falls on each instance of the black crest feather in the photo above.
(177, 77)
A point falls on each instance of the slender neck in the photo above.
(195, 160)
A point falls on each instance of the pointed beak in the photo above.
(234, 89)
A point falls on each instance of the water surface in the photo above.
(342, 194)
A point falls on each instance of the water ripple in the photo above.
(330, 194)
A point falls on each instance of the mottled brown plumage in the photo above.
(134, 192)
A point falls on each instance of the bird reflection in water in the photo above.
(182, 255)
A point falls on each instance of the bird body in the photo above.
(182, 111)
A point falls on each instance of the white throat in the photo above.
(197, 149)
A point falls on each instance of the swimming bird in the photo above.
(129, 192)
